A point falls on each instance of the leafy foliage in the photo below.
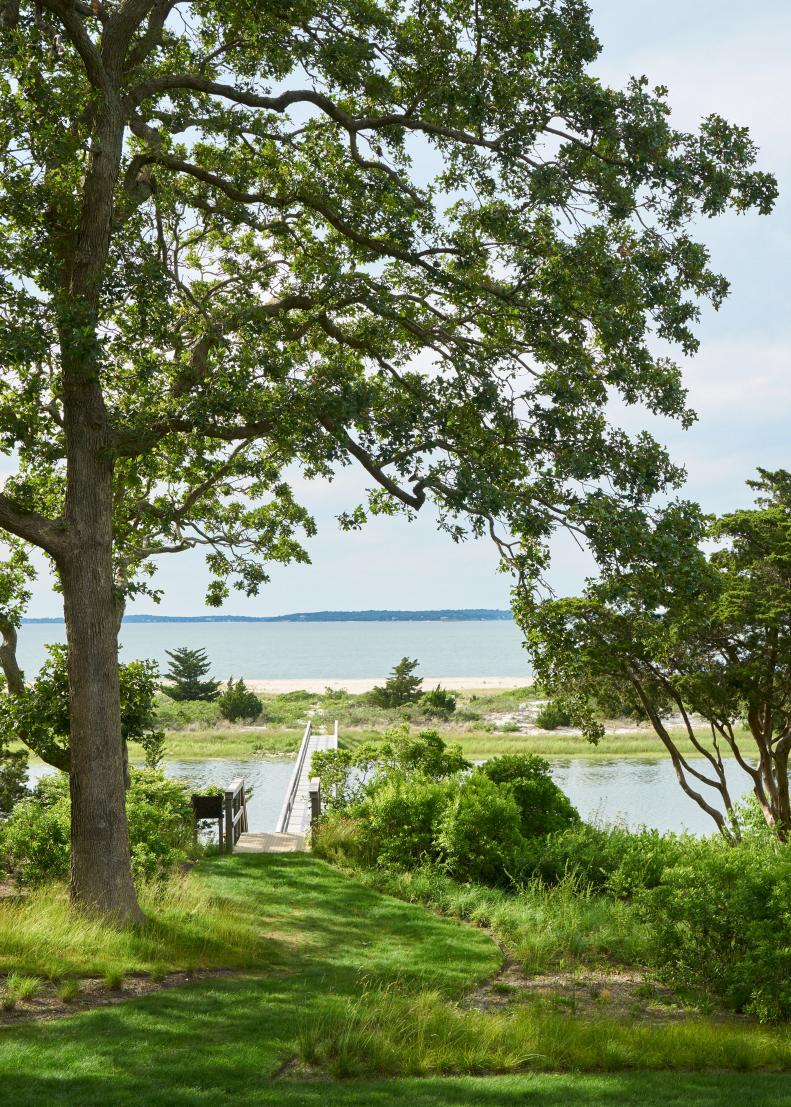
(238, 702)
(185, 674)
(543, 807)
(39, 715)
(35, 839)
(677, 628)
(401, 687)
(220, 260)
(13, 778)
(722, 925)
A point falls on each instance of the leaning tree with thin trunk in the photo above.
(241, 238)
(699, 642)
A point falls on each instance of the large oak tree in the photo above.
(415, 236)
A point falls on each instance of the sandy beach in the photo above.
(357, 685)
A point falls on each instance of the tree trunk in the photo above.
(100, 860)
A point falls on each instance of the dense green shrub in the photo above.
(347, 776)
(721, 920)
(612, 859)
(35, 839)
(399, 820)
(438, 703)
(552, 715)
(238, 702)
(543, 807)
(477, 834)
(13, 778)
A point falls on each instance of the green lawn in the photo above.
(330, 961)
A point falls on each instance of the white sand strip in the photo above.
(356, 685)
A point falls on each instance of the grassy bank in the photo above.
(338, 979)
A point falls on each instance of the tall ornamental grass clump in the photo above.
(35, 839)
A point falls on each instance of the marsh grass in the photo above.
(187, 928)
(384, 1033)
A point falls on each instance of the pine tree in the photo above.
(400, 688)
(184, 676)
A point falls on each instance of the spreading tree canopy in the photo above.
(416, 236)
(699, 641)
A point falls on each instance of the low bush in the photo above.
(237, 702)
(552, 715)
(437, 703)
(35, 839)
(721, 920)
(398, 824)
(180, 714)
(614, 860)
(543, 807)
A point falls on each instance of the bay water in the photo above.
(278, 651)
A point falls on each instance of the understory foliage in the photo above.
(35, 838)
(674, 626)
(503, 846)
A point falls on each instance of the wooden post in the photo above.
(314, 791)
(229, 820)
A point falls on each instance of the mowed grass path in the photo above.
(318, 943)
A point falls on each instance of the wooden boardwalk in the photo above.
(295, 814)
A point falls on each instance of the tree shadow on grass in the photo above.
(220, 1041)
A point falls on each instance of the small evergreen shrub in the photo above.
(238, 702)
(186, 676)
(438, 703)
(402, 687)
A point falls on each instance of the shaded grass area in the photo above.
(542, 928)
(331, 961)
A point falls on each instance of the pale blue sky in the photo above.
(727, 56)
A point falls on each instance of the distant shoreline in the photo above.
(445, 615)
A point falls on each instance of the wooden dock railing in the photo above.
(293, 784)
(228, 808)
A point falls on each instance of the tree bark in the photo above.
(100, 858)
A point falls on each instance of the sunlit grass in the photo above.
(383, 1032)
(187, 927)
